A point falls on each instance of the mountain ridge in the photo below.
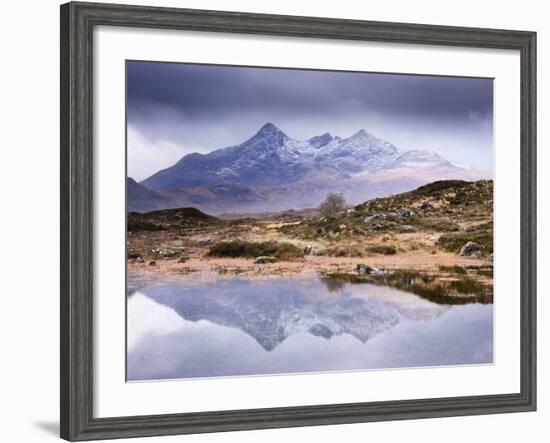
(270, 170)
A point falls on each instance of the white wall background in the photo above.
(29, 184)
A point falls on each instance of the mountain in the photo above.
(360, 152)
(271, 171)
(268, 158)
(271, 158)
(141, 199)
(421, 159)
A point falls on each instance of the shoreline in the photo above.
(421, 262)
(201, 270)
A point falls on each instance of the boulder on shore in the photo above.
(365, 269)
(470, 249)
(264, 259)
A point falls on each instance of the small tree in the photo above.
(333, 203)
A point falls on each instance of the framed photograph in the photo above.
(272, 221)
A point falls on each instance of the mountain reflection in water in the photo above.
(239, 326)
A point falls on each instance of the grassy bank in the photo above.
(237, 248)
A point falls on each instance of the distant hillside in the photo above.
(141, 199)
(446, 197)
(273, 172)
(454, 211)
(181, 218)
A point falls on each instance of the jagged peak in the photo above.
(362, 137)
(325, 135)
(421, 157)
(269, 129)
(319, 141)
(362, 134)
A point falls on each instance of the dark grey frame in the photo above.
(77, 23)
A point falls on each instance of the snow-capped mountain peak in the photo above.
(421, 158)
(360, 152)
(361, 134)
(272, 133)
(270, 159)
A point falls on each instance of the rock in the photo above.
(183, 259)
(169, 253)
(374, 217)
(404, 212)
(400, 213)
(140, 260)
(470, 249)
(204, 240)
(376, 271)
(152, 263)
(320, 330)
(425, 206)
(264, 259)
(132, 253)
(308, 250)
(365, 269)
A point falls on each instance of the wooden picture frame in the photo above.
(77, 23)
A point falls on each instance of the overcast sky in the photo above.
(175, 109)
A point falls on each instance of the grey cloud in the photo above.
(204, 107)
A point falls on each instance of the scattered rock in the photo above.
(374, 217)
(204, 240)
(470, 249)
(264, 259)
(365, 269)
(404, 212)
(169, 253)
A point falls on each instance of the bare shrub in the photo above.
(333, 204)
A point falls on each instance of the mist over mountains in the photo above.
(272, 172)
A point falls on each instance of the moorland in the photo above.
(436, 241)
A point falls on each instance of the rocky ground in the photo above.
(443, 229)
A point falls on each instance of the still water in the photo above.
(238, 326)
